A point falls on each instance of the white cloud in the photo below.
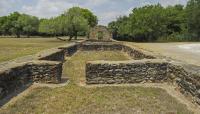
(47, 8)
(106, 17)
(5, 5)
(170, 2)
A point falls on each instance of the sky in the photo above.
(106, 10)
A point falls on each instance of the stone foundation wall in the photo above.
(70, 50)
(36, 71)
(143, 71)
(112, 46)
(188, 83)
(52, 55)
(44, 67)
(135, 71)
(45, 71)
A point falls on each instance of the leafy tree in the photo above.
(151, 23)
(193, 15)
(29, 24)
(91, 18)
(13, 24)
(3, 27)
(75, 22)
(176, 20)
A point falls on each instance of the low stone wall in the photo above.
(70, 49)
(45, 71)
(188, 83)
(142, 71)
(112, 46)
(36, 71)
(135, 71)
(52, 55)
(137, 53)
(44, 67)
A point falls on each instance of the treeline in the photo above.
(76, 21)
(157, 23)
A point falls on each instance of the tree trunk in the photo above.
(75, 35)
(18, 35)
(70, 37)
(28, 35)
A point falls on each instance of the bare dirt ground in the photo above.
(185, 52)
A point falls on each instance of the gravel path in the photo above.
(186, 52)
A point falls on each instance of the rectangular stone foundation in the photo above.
(144, 71)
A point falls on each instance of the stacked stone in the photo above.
(111, 46)
(188, 83)
(56, 55)
(13, 78)
(46, 71)
(141, 71)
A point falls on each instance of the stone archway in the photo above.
(100, 33)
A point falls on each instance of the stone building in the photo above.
(100, 33)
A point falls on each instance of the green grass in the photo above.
(11, 48)
(75, 99)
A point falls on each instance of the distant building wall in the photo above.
(100, 33)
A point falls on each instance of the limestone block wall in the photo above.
(45, 71)
(70, 50)
(143, 71)
(13, 78)
(36, 71)
(188, 83)
(44, 67)
(112, 46)
(120, 72)
(137, 53)
(52, 55)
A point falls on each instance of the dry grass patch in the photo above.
(74, 99)
(11, 48)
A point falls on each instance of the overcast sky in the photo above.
(106, 10)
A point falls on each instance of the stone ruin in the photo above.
(144, 67)
(100, 33)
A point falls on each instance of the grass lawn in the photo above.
(11, 48)
(76, 99)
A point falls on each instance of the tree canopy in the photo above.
(154, 23)
(146, 24)
(75, 21)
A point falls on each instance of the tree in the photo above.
(3, 26)
(91, 18)
(75, 22)
(176, 20)
(13, 24)
(29, 24)
(193, 15)
(151, 23)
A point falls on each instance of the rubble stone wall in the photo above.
(21, 74)
(111, 46)
(44, 67)
(120, 72)
(144, 71)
